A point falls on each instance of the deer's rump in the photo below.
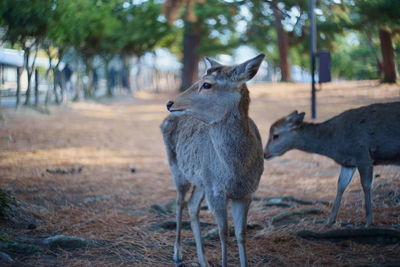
(373, 129)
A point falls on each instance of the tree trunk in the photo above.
(389, 67)
(56, 98)
(283, 45)
(110, 92)
(137, 74)
(89, 88)
(36, 88)
(18, 87)
(28, 73)
(28, 90)
(63, 87)
(370, 44)
(127, 71)
(191, 43)
(29, 69)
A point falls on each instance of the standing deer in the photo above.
(214, 147)
(356, 139)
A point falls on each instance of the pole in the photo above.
(313, 47)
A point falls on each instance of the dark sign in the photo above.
(324, 66)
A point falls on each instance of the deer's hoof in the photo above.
(368, 224)
(178, 263)
(329, 223)
(177, 260)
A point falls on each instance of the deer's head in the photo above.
(282, 135)
(218, 92)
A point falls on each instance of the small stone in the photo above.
(137, 212)
(161, 210)
(95, 198)
(65, 241)
(293, 217)
(213, 234)
(254, 226)
(279, 205)
(31, 226)
(133, 170)
(19, 248)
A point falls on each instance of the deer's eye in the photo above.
(206, 86)
(275, 136)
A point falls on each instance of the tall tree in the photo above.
(191, 36)
(388, 23)
(268, 30)
(138, 37)
(25, 23)
(283, 43)
(208, 29)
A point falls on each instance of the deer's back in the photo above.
(373, 130)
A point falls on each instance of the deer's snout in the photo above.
(267, 155)
(169, 104)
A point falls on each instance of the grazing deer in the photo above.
(356, 139)
(214, 147)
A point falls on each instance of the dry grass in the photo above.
(107, 202)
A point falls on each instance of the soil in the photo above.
(96, 170)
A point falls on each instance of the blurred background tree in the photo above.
(208, 29)
(362, 36)
(25, 25)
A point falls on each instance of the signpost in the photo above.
(313, 48)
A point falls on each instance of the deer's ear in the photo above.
(247, 70)
(295, 119)
(212, 62)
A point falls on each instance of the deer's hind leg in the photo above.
(366, 175)
(346, 174)
(180, 198)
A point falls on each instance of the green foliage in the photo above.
(25, 19)
(218, 20)
(384, 13)
(108, 28)
(142, 29)
(354, 60)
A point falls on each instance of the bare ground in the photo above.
(110, 203)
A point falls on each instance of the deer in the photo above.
(355, 139)
(215, 148)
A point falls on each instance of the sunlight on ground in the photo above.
(68, 155)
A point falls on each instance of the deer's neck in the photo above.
(316, 138)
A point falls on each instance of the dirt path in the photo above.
(119, 147)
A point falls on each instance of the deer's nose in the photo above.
(267, 155)
(169, 104)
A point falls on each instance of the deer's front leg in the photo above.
(240, 209)
(366, 175)
(194, 209)
(344, 179)
(218, 206)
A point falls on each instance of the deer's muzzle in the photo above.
(169, 104)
